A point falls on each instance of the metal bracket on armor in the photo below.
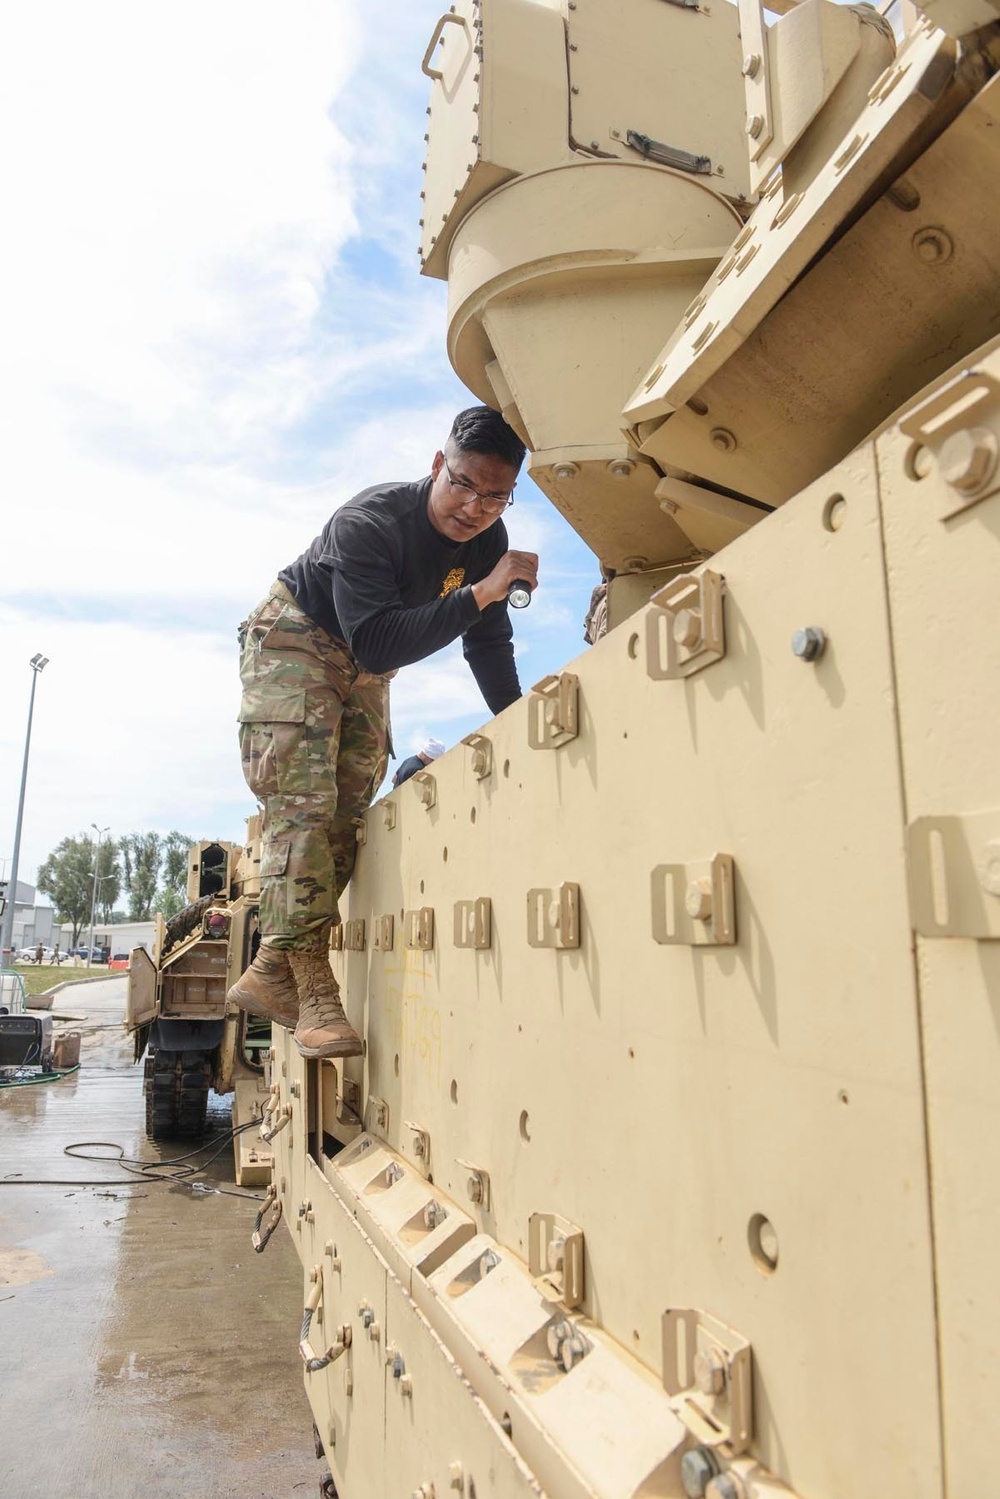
(756, 70)
(684, 629)
(554, 711)
(554, 916)
(420, 1140)
(354, 935)
(693, 905)
(482, 755)
(707, 1368)
(385, 933)
(477, 1186)
(259, 1239)
(426, 787)
(419, 928)
(954, 866)
(474, 922)
(960, 427)
(378, 1112)
(555, 1257)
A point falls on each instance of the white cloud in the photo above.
(178, 191)
(177, 194)
(214, 333)
(129, 730)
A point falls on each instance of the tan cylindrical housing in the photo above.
(560, 285)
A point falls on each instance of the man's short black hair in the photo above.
(480, 429)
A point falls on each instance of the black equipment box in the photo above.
(26, 1041)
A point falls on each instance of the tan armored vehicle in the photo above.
(192, 1039)
(672, 1164)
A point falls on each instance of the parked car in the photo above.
(27, 955)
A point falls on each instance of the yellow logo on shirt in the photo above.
(454, 580)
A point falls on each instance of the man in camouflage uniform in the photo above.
(398, 572)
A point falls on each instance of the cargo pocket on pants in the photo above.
(274, 861)
(272, 724)
(273, 907)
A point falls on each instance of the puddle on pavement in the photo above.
(19, 1267)
(154, 1313)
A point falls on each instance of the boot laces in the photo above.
(271, 964)
(323, 1000)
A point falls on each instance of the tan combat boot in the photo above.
(323, 1029)
(268, 989)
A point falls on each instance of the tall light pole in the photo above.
(38, 663)
(93, 899)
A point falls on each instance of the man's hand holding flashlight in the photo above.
(513, 567)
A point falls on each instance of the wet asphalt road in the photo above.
(145, 1350)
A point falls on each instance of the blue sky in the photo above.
(216, 333)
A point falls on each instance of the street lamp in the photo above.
(93, 898)
(37, 663)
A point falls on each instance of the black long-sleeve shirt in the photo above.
(380, 577)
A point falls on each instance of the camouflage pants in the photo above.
(314, 737)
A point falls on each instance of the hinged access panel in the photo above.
(140, 1000)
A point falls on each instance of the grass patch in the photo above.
(41, 976)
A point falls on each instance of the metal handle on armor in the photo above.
(273, 1201)
(443, 21)
(268, 1131)
(273, 1118)
(310, 1357)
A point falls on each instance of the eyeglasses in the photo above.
(489, 504)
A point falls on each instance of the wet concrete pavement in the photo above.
(145, 1349)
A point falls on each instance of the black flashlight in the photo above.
(519, 594)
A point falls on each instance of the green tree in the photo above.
(168, 902)
(109, 880)
(141, 855)
(172, 894)
(176, 848)
(67, 876)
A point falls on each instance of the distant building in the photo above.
(121, 936)
(32, 923)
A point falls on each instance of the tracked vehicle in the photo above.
(192, 1040)
(670, 1168)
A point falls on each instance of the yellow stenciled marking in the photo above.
(416, 1025)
